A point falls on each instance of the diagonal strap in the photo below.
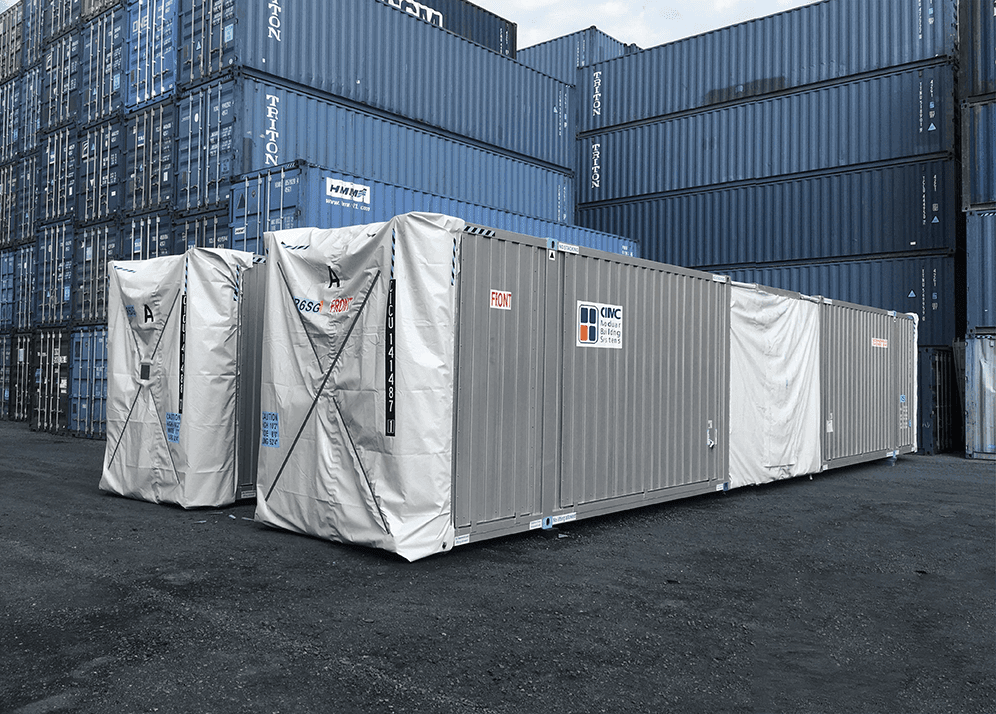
(356, 455)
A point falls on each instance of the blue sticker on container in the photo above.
(902, 398)
(173, 427)
(271, 429)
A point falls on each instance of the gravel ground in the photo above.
(866, 589)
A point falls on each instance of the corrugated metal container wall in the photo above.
(207, 230)
(6, 347)
(24, 288)
(10, 125)
(30, 112)
(60, 17)
(101, 187)
(152, 49)
(8, 203)
(21, 378)
(908, 114)
(95, 246)
(868, 383)
(978, 48)
(823, 42)
(27, 198)
(239, 126)
(300, 195)
(8, 262)
(465, 19)
(924, 285)
(88, 385)
(149, 163)
(980, 397)
(54, 281)
(31, 35)
(11, 21)
(147, 236)
(103, 81)
(562, 56)
(902, 208)
(58, 191)
(50, 396)
(981, 267)
(979, 154)
(429, 76)
(90, 8)
(60, 83)
(938, 401)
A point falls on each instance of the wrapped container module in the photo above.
(300, 195)
(171, 400)
(980, 396)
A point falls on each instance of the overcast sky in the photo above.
(646, 22)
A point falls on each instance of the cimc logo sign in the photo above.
(599, 325)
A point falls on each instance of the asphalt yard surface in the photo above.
(866, 589)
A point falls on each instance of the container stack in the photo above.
(978, 89)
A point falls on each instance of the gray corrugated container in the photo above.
(880, 119)
(868, 383)
(466, 20)
(53, 301)
(902, 208)
(980, 244)
(8, 203)
(980, 397)
(60, 82)
(57, 199)
(101, 186)
(21, 377)
(8, 262)
(10, 125)
(150, 158)
(59, 18)
(823, 42)
(300, 195)
(151, 51)
(28, 183)
(939, 404)
(50, 392)
(11, 40)
(243, 125)
(563, 56)
(6, 347)
(90, 8)
(977, 54)
(31, 31)
(432, 77)
(102, 73)
(149, 235)
(202, 230)
(924, 285)
(30, 113)
(979, 155)
(95, 246)
(88, 383)
(22, 318)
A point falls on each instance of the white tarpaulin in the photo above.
(775, 416)
(171, 377)
(357, 383)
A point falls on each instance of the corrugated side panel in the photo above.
(978, 48)
(60, 16)
(981, 266)
(432, 77)
(27, 198)
(979, 155)
(31, 35)
(8, 262)
(980, 397)
(95, 246)
(88, 383)
(897, 116)
(150, 158)
(563, 56)
(59, 165)
(60, 82)
(10, 41)
(867, 373)
(924, 285)
(8, 203)
(252, 303)
(295, 196)
(103, 79)
(153, 36)
(90, 8)
(30, 112)
(6, 347)
(244, 125)
(903, 208)
(54, 277)
(466, 20)
(10, 126)
(939, 403)
(207, 230)
(822, 42)
(21, 377)
(24, 288)
(101, 190)
(647, 419)
(50, 393)
(147, 236)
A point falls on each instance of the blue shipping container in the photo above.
(10, 125)
(8, 203)
(466, 20)
(60, 82)
(978, 47)
(31, 31)
(302, 195)
(58, 189)
(428, 76)
(149, 161)
(60, 16)
(88, 382)
(6, 348)
(100, 190)
(28, 178)
(8, 263)
(981, 270)
(205, 230)
(979, 155)
(95, 246)
(153, 36)
(54, 274)
(22, 317)
(30, 112)
(102, 73)
(896, 209)
(924, 285)
(90, 8)
(147, 236)
(563, 56)
(822, 42)
(243, 125)
(10, 41)
(887, 118)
